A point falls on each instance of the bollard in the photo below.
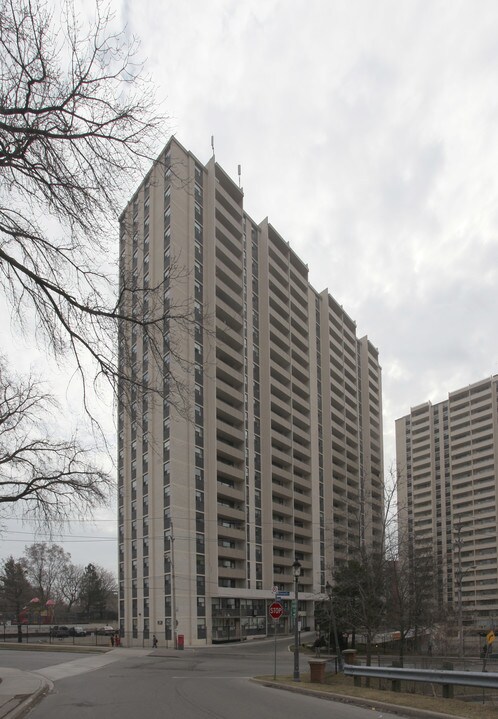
(317, 670)
(349, 656)
(448, 688)
(396, 683)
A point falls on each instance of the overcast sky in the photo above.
(367, 132)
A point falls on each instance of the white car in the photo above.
(106, 631)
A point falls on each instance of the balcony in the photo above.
(229, 411)
(228, 453)
(229, 553)
(228, 202)
(228, 222)
(233, 494)
(229, 470)
(227, 430)
(285, 544)
(282, 409)
(281, 424)
(230, 573)
(229, 374)
(236, 533)
(282, 490)
(301, 466)
(282, 458)
(227, 314)
(282, 473)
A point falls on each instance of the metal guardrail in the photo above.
(485, 680)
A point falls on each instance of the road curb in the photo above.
(28, 702)
(357, 701)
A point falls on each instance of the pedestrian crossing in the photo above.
(91, 663)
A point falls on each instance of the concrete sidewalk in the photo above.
(20, 690)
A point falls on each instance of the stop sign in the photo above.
(276, 610)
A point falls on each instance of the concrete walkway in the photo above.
(20, 690)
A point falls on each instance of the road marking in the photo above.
(198, 676)
(86, 664)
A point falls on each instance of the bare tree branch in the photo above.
(78, 125)
(48, 478)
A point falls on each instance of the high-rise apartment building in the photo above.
(448, 483)
(280, 455)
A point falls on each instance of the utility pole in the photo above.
(296, 568)
(173, 596)
(458, 575)
(329, 590)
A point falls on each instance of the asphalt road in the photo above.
(207, 683)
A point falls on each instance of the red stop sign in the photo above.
(276, 610)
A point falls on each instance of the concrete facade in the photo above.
(447, 460)
(278, 455)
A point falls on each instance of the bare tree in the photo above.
(78, 124)
(359, 596)
(69, 585)
(44, 566)
(390, 586)
(411, 592)
(45, 478)
(410, 576)
(360, 585)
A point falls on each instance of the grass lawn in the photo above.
(341, 685)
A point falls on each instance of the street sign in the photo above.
(275, 610)
(282, 594)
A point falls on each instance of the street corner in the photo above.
(19, 691)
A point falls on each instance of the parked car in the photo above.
(77, 632)
(59, 631)
(106, 631)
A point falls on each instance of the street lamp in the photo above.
(329, 590)
(460, 573)
(296, 568)
(173, 592)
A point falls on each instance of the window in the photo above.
(201, 606)
(227, 582)
(227, 563)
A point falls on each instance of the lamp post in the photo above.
(296, 568)
(329, 590)
(460, 574)
(173, 593)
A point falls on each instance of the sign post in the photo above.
(275, 611)
(490, 637)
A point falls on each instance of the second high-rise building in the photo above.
(448, 491)
(279, 455)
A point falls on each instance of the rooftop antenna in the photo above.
(239, 172)
(212, 144)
